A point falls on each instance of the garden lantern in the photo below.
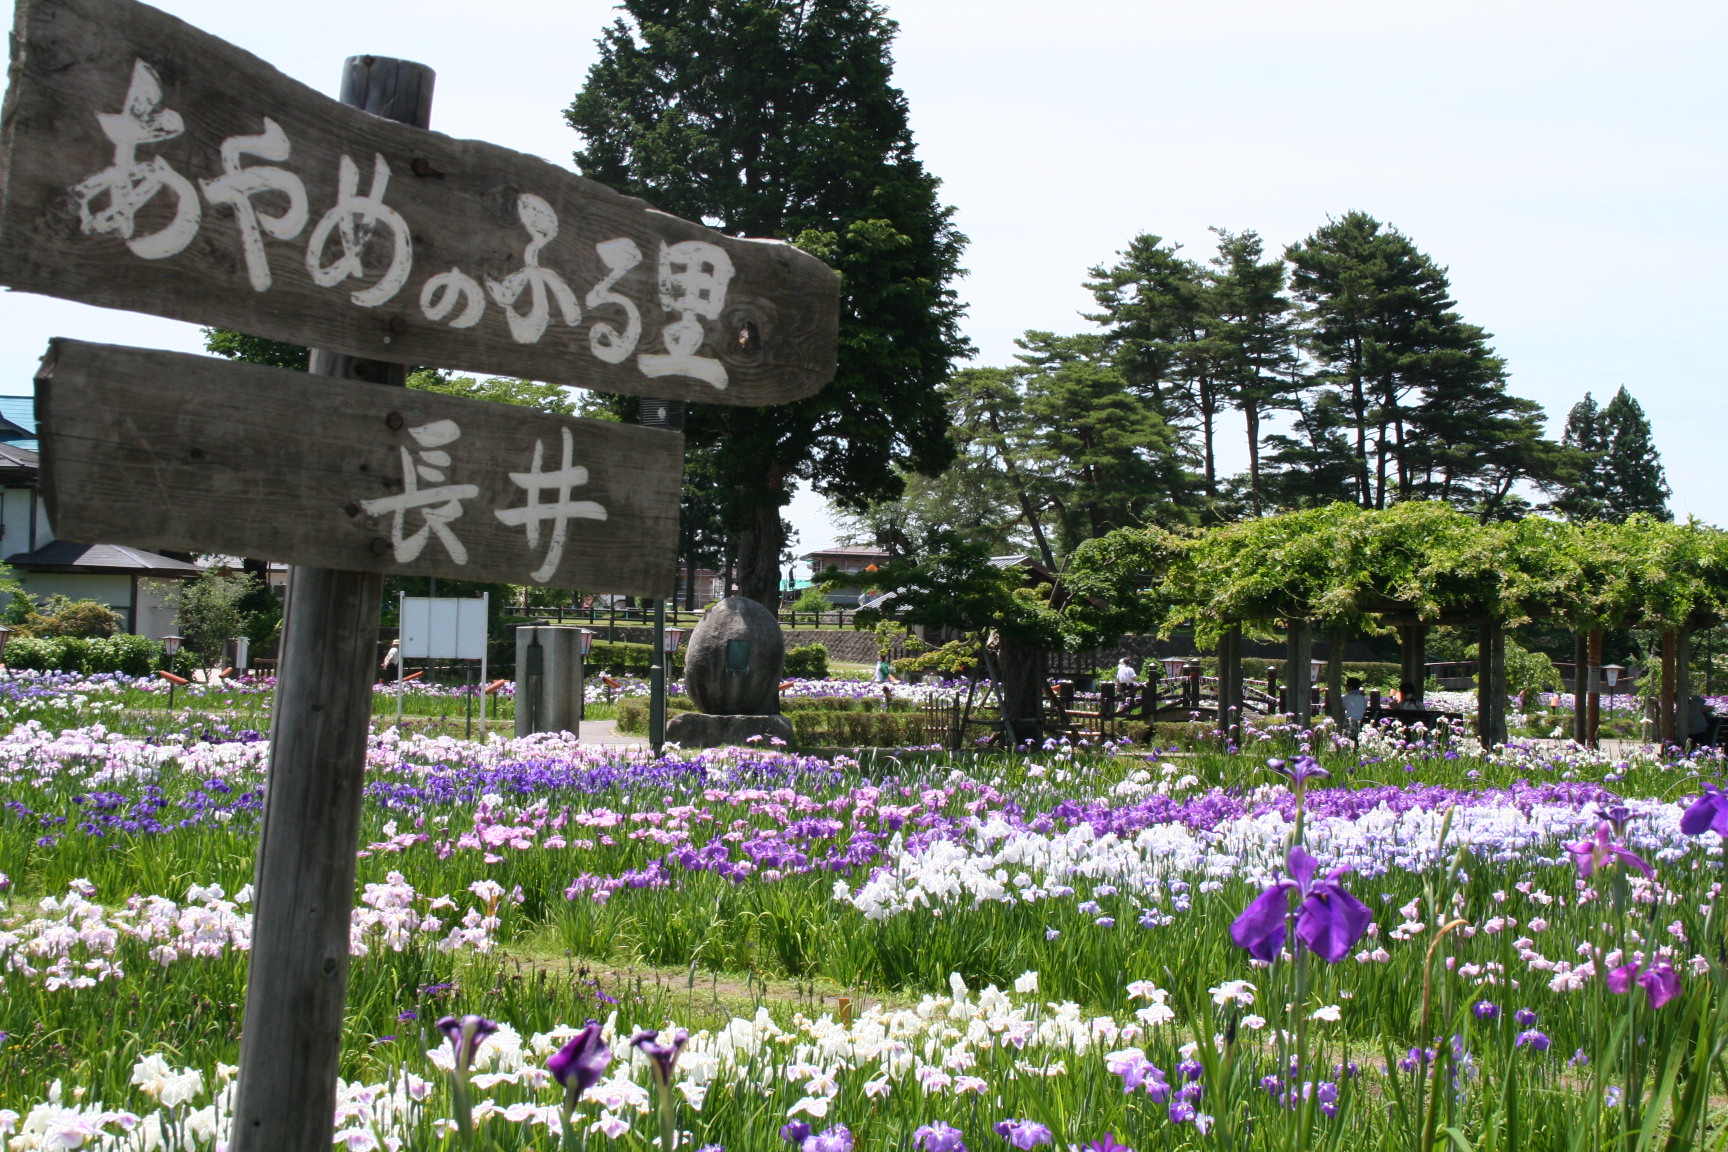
(5, 635)
(171, 645)
(584, 641)
(1611, 673)
(1173, 666)
(674, 638)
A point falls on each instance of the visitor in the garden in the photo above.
(1355, 706)
(1126, 681)
(1408, 698)
(885, 672)
(1698, 718)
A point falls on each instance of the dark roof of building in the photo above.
(115, 559)
(19, 454)
(849, 550)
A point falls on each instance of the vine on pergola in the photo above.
(1343, 566)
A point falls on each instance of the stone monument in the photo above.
(732, 666)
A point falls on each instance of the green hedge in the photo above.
(853, 728)
(620, 658)
(127, 653)
(807, 662)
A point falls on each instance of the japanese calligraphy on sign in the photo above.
(166, 450)
(153, 167)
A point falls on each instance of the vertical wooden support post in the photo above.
(1491, 683)
(1413, 656)
(1593, 705)
(1580, 682)
(1682, 687)
(297, 978)
(657, 682)
(1299, 670)
(1667, 726)
(1335, 675)
(1230, 683)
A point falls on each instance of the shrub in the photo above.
(854, 728)
(807, 662)
(619, 658)
(127, 653)
(61, 616)
(812, 600)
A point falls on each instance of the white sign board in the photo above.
(443, 628)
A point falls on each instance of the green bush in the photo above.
(812, 600)
(620, 658)
(807, 662)
(856, 728)
(126, 653)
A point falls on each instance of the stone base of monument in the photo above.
(701, 730)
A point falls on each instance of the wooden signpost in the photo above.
(149, 166)
(155, 168)
(185, 452)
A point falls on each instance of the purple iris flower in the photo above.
(1182, 1112)
(1329, 921)
(835, 1139)
(1537, 1040)
(466, 1035)
(1524, 1018)
(579, 1065)
(1659, 981)
(1299, 770)
(1024, 1133)
(1594, 852)
(1108, 1144)
(662, 1058)
(1486, 1010)
(1708, 813)
(794, 1131)
(938, 1137)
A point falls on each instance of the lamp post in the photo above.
(171, 647)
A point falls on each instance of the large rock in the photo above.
(732, 665)
(700, 730)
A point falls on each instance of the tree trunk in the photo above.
(1491, 684)
(759, 548)
(1230, 684)
(1412, 656)
(1335, 676)
(1298, 669)
(1020, 674)
(1593, 717)
(1580, 681)
(1251, 410)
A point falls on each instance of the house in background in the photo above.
(106, 573)
(847, 559)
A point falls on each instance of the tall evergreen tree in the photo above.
(1106, 451)
(1636, 480)
(1585, 497)
(779, 118)
(1255, 336)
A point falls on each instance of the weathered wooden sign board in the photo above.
(153, 167)
(166, 450)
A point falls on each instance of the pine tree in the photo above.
(779, 118)
(1634, 478)
(1585, 496)
(1256, 332)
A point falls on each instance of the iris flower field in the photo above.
(1299, 944)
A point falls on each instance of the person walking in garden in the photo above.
(1126, 681)
(1355, 706)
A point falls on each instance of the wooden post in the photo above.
(1335, 676)
(657, 682)
(1491, 684)
(1580, 682)
(1413, 656)
(1593, 716)
(1230, 682)
(1298, 671)
(1667, 726)
(297, 978)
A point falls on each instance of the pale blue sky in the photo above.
(1564, 159)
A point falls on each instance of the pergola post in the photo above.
(1230, 683)
(1413, 656)
(1667, 726)
(1491, 683)
(1335, 675)
(1298, 671)
(1593, 716)
(1580, 682)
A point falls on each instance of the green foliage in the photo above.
(1617, 471)
(807, 662)
(779, 118)
(127, 653)
(60, 615)
(812, 599)
(1529, 672)
(523, 393)
(621, 658)
(210, 609)
(256, 349)
(950, 660)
